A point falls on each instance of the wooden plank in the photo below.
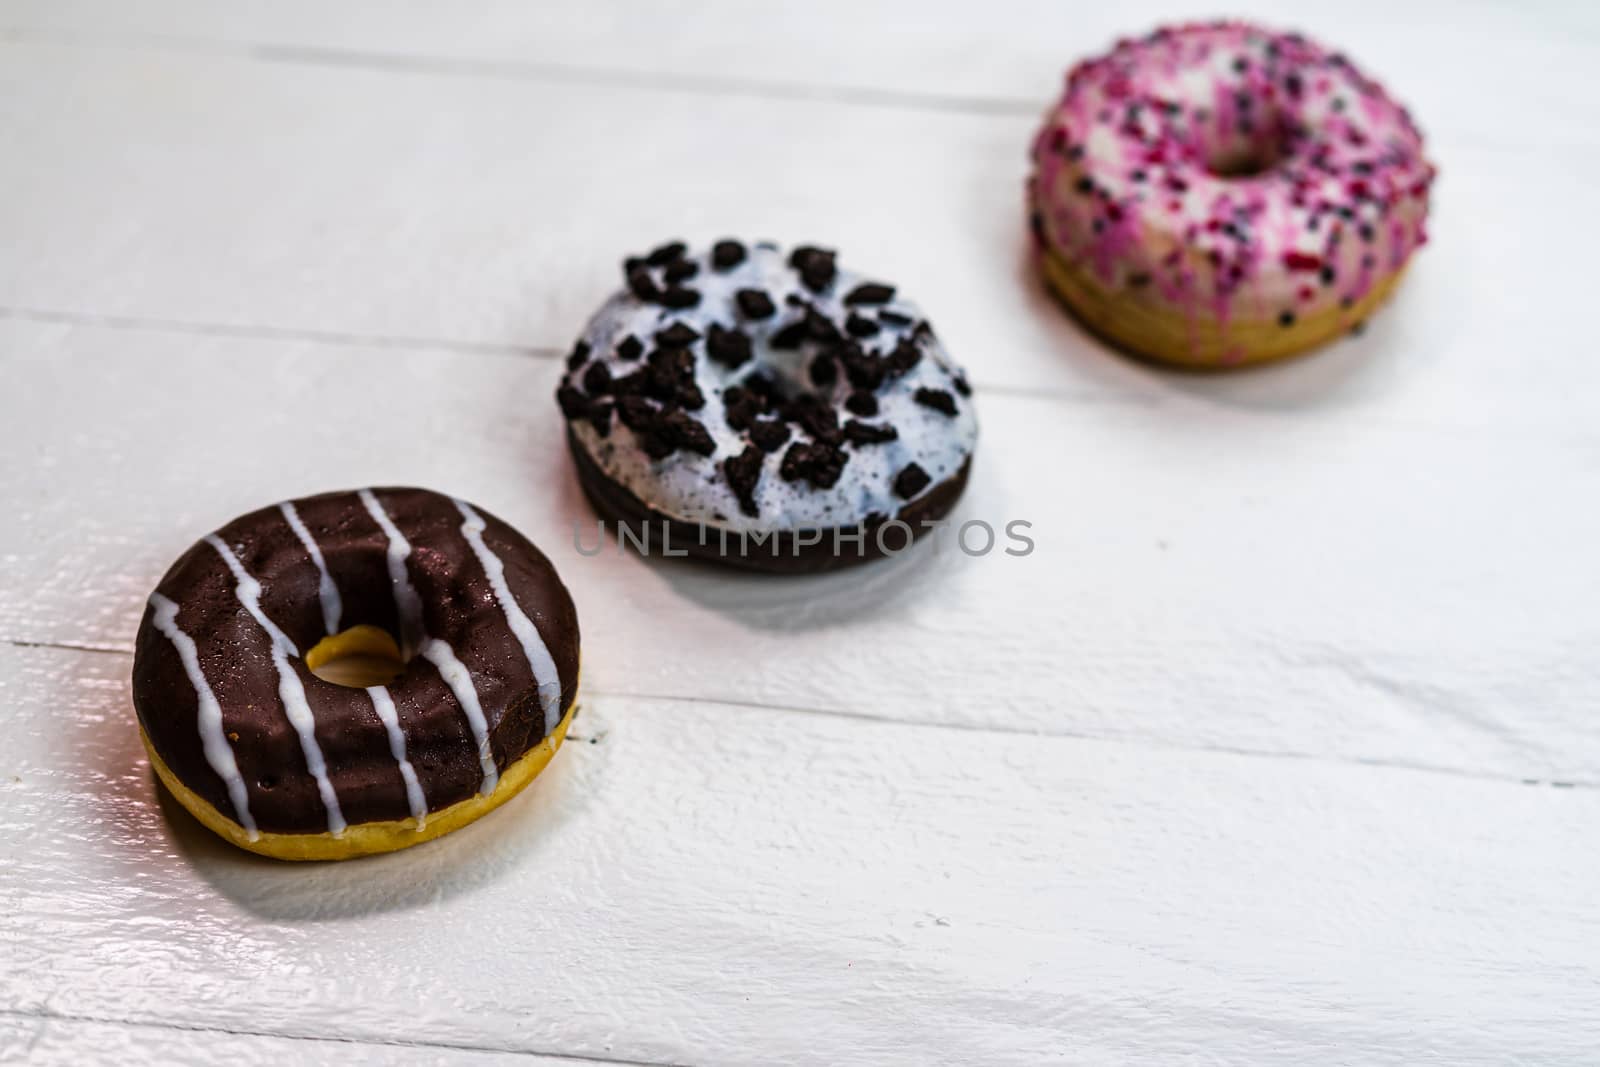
(49, 1039)
(1004, 55)
(704, 882)
(491, 214)
(1204, 576)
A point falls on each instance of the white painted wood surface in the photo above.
(1282, 747)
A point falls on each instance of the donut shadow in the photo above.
(1339, 372)
(146, 826)
(789, 603)
(456, 864)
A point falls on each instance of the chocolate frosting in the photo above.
(460, 612)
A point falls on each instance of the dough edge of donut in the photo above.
(1169, 337)
(372, 838)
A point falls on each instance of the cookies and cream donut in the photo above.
(472, 620)
(1219, 194)
(766, 408)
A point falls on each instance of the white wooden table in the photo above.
(1284, 747)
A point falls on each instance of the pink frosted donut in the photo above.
(1217, 194)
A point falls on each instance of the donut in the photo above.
(765, 408)
(470, 619)
(1213, 195)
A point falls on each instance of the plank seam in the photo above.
(269, 333)
(238, 331)
(208, 1028)
(1002, 731)
(542, 72)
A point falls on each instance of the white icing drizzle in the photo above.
(383, 704)
(214, 740)
(455, 675)
(332, 605)
(543, 665)
(406, 601)
(437, 652)
(290, 691)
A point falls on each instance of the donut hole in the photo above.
(356, 658)
(1243, 161)
(1250, 145)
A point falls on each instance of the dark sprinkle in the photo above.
(816, 267)
(824, 371)
(1085, 186)
(574, 405)
(769, 434)
(869, 293)
(684, 431)
(630, 347)
(861, 402)
(636, 413)
(678, 335)
(597, 380)
(790, 336)
(1285, 318)
(682, 270)
(679, 297)
(600, 417)
(655, 445)
(819, 327)
(910, 481)
(725, 255)
(860, 325)
(864, 370)
(1327, 275)
(641, 285)
(819, 463)
(579, 356)
(754, 303)
(665, 254)
(894, 318)
(635, 384)
(814, 417)
(741, 406)
(905, 356)
(728, 347)
(865, 433)
(937, 399)
(743, 472)
(961, 385)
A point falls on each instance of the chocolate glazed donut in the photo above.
(282, 762)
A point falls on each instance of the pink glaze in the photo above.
(1136, 174)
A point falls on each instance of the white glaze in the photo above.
(540, 661)
(691, 487)
(406, 601)
(456, 676)
(383, 704)
(290, 690)
(213, 738)
(332, 605)
(415, 640)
